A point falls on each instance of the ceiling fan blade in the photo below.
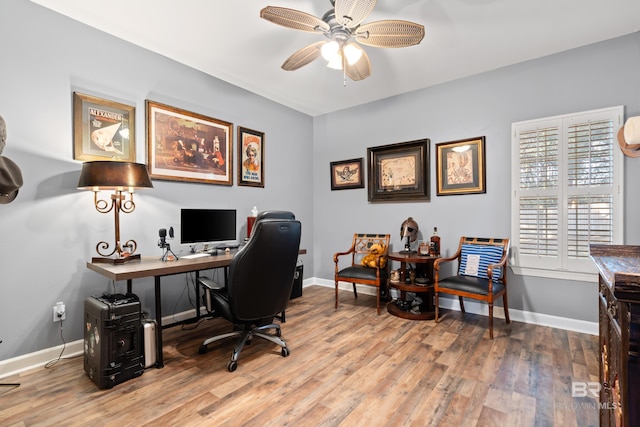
(295, 19)
(303, 56)
(361, 69)
(390, 33)
(350, 13)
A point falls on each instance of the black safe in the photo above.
(113, 339)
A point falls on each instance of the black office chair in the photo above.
(259, 286)
(275, 215)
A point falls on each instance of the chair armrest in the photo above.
(436, 263)
(339, 254)
(209, 284)
(502, 264)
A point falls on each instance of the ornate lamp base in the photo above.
(104, 260)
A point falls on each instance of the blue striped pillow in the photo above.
(475, 259)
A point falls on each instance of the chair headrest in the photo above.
(275, 215)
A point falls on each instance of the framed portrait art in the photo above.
(186, 146)
(347, 174)
(461, 167)
(250, 157)
(399, 172)
(103, 129)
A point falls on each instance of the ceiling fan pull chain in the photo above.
(344, 71)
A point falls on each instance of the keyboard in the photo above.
(193, 256)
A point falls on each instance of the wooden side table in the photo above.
(425, 292)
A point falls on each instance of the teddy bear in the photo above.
(375, 252)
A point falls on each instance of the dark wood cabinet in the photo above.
(619, 318)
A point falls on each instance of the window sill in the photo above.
(591, 277)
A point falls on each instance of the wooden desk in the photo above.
(426, 291)
(153, 267)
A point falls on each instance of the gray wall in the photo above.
(596, 76)
(50, 231)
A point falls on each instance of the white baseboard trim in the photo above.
(73, 349)
(476, 307)
(40, 358)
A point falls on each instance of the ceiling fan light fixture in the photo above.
(330, 50)
(343, 27)
(335, 62)
(352, 53)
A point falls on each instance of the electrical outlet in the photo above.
(59, 312)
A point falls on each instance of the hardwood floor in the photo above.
(347, 367)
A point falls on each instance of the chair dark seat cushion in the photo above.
(475, 285)
(361, 272)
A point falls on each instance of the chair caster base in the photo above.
(232, 366)
(203, 349)
(284, 352)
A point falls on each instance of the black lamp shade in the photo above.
(108, 175)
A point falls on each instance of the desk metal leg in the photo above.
(129, 286)
(159, 358)
(197, 295)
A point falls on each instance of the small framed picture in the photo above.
(103, 129)
(250, 157)
(399, 172)
(461, 167)
(186, 146)
(347, 174)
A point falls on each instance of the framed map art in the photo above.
(399, 172)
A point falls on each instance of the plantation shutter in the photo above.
(539, 171)
(568, 189)
(590, 180)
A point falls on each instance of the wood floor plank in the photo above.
(347, 367)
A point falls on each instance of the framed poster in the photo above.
(460, 167)
(250, 157)
(103, 129)
(399, 172)
(347, 174)
(186, 146)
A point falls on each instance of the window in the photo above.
(567, 178)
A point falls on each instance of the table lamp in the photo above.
(122, 178)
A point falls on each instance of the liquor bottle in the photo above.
(435, 243)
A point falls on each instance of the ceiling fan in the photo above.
(342, 26)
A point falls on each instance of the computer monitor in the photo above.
(207, 225)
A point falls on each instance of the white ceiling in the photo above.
(228, 40)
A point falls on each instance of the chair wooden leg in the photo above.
(378, 299)
(461, 304)
(336, 294)
(491, 321)
(506, 307)
(435, 297)
(354, 291)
